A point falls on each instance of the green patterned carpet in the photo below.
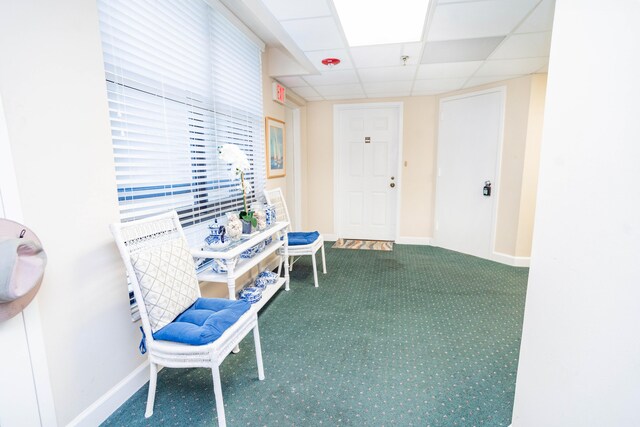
(420, 336)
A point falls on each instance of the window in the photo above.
(181, 81)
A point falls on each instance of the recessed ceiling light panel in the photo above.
(368, 23)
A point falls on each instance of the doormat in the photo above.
(371, 245)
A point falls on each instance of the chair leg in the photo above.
(324, 263)
(256, 340)
(151, 397)
(315, 270)
(217, 391)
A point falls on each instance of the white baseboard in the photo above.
(515, 261)
(107, 404)
(408, 240)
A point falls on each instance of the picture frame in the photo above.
(275, 147)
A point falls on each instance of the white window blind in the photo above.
(181, 81)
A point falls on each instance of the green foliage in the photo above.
(248, 216)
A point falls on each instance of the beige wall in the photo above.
(523, 124)
(54, 94)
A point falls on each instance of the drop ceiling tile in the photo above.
(314, 98)
(296, 9)
(292, 82)
(505, 67)
(444, 85)
(377, 56)
(340, 90)
(317, 56)
(524, 46)
(541, 19)
(460, 50)
(543, 70)
(305, 91)
(332, 78)
(447, 70)
(413, 51)
(477, 19)
(478, 81)
(314, 33)
(387, 87)
(385, 74)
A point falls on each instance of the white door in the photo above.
(469, 143)
(367, 141)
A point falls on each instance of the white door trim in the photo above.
(12, 208)
(337, 205)
(502, 90)
(297, 164)
(297, 161)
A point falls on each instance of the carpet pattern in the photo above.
(420, 336)
(372, 245)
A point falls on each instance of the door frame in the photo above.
(12, 209)
(337, 158)
(495, 186)
(295, 140)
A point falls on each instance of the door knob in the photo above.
(393, 184)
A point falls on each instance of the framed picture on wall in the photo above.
(275, 139)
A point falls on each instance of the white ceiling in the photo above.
(465, 43)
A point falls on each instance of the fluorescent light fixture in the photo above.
(367, 22)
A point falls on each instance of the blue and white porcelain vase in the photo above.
(270, 212)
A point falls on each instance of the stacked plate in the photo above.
(269, 276)
(249, 253)
(218, 266)
(251, 294)
(261, 283)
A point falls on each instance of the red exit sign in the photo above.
(279, 92)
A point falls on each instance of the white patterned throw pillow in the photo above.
(168, 282)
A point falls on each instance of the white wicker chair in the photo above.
(136, 236)
(274, 197)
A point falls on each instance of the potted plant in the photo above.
(239, 164)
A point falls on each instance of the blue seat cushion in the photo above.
(204, 322)
(297, 238)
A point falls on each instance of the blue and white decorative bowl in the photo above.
(251, 295)
(261, 282)
(251, 252)
(270, 277)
